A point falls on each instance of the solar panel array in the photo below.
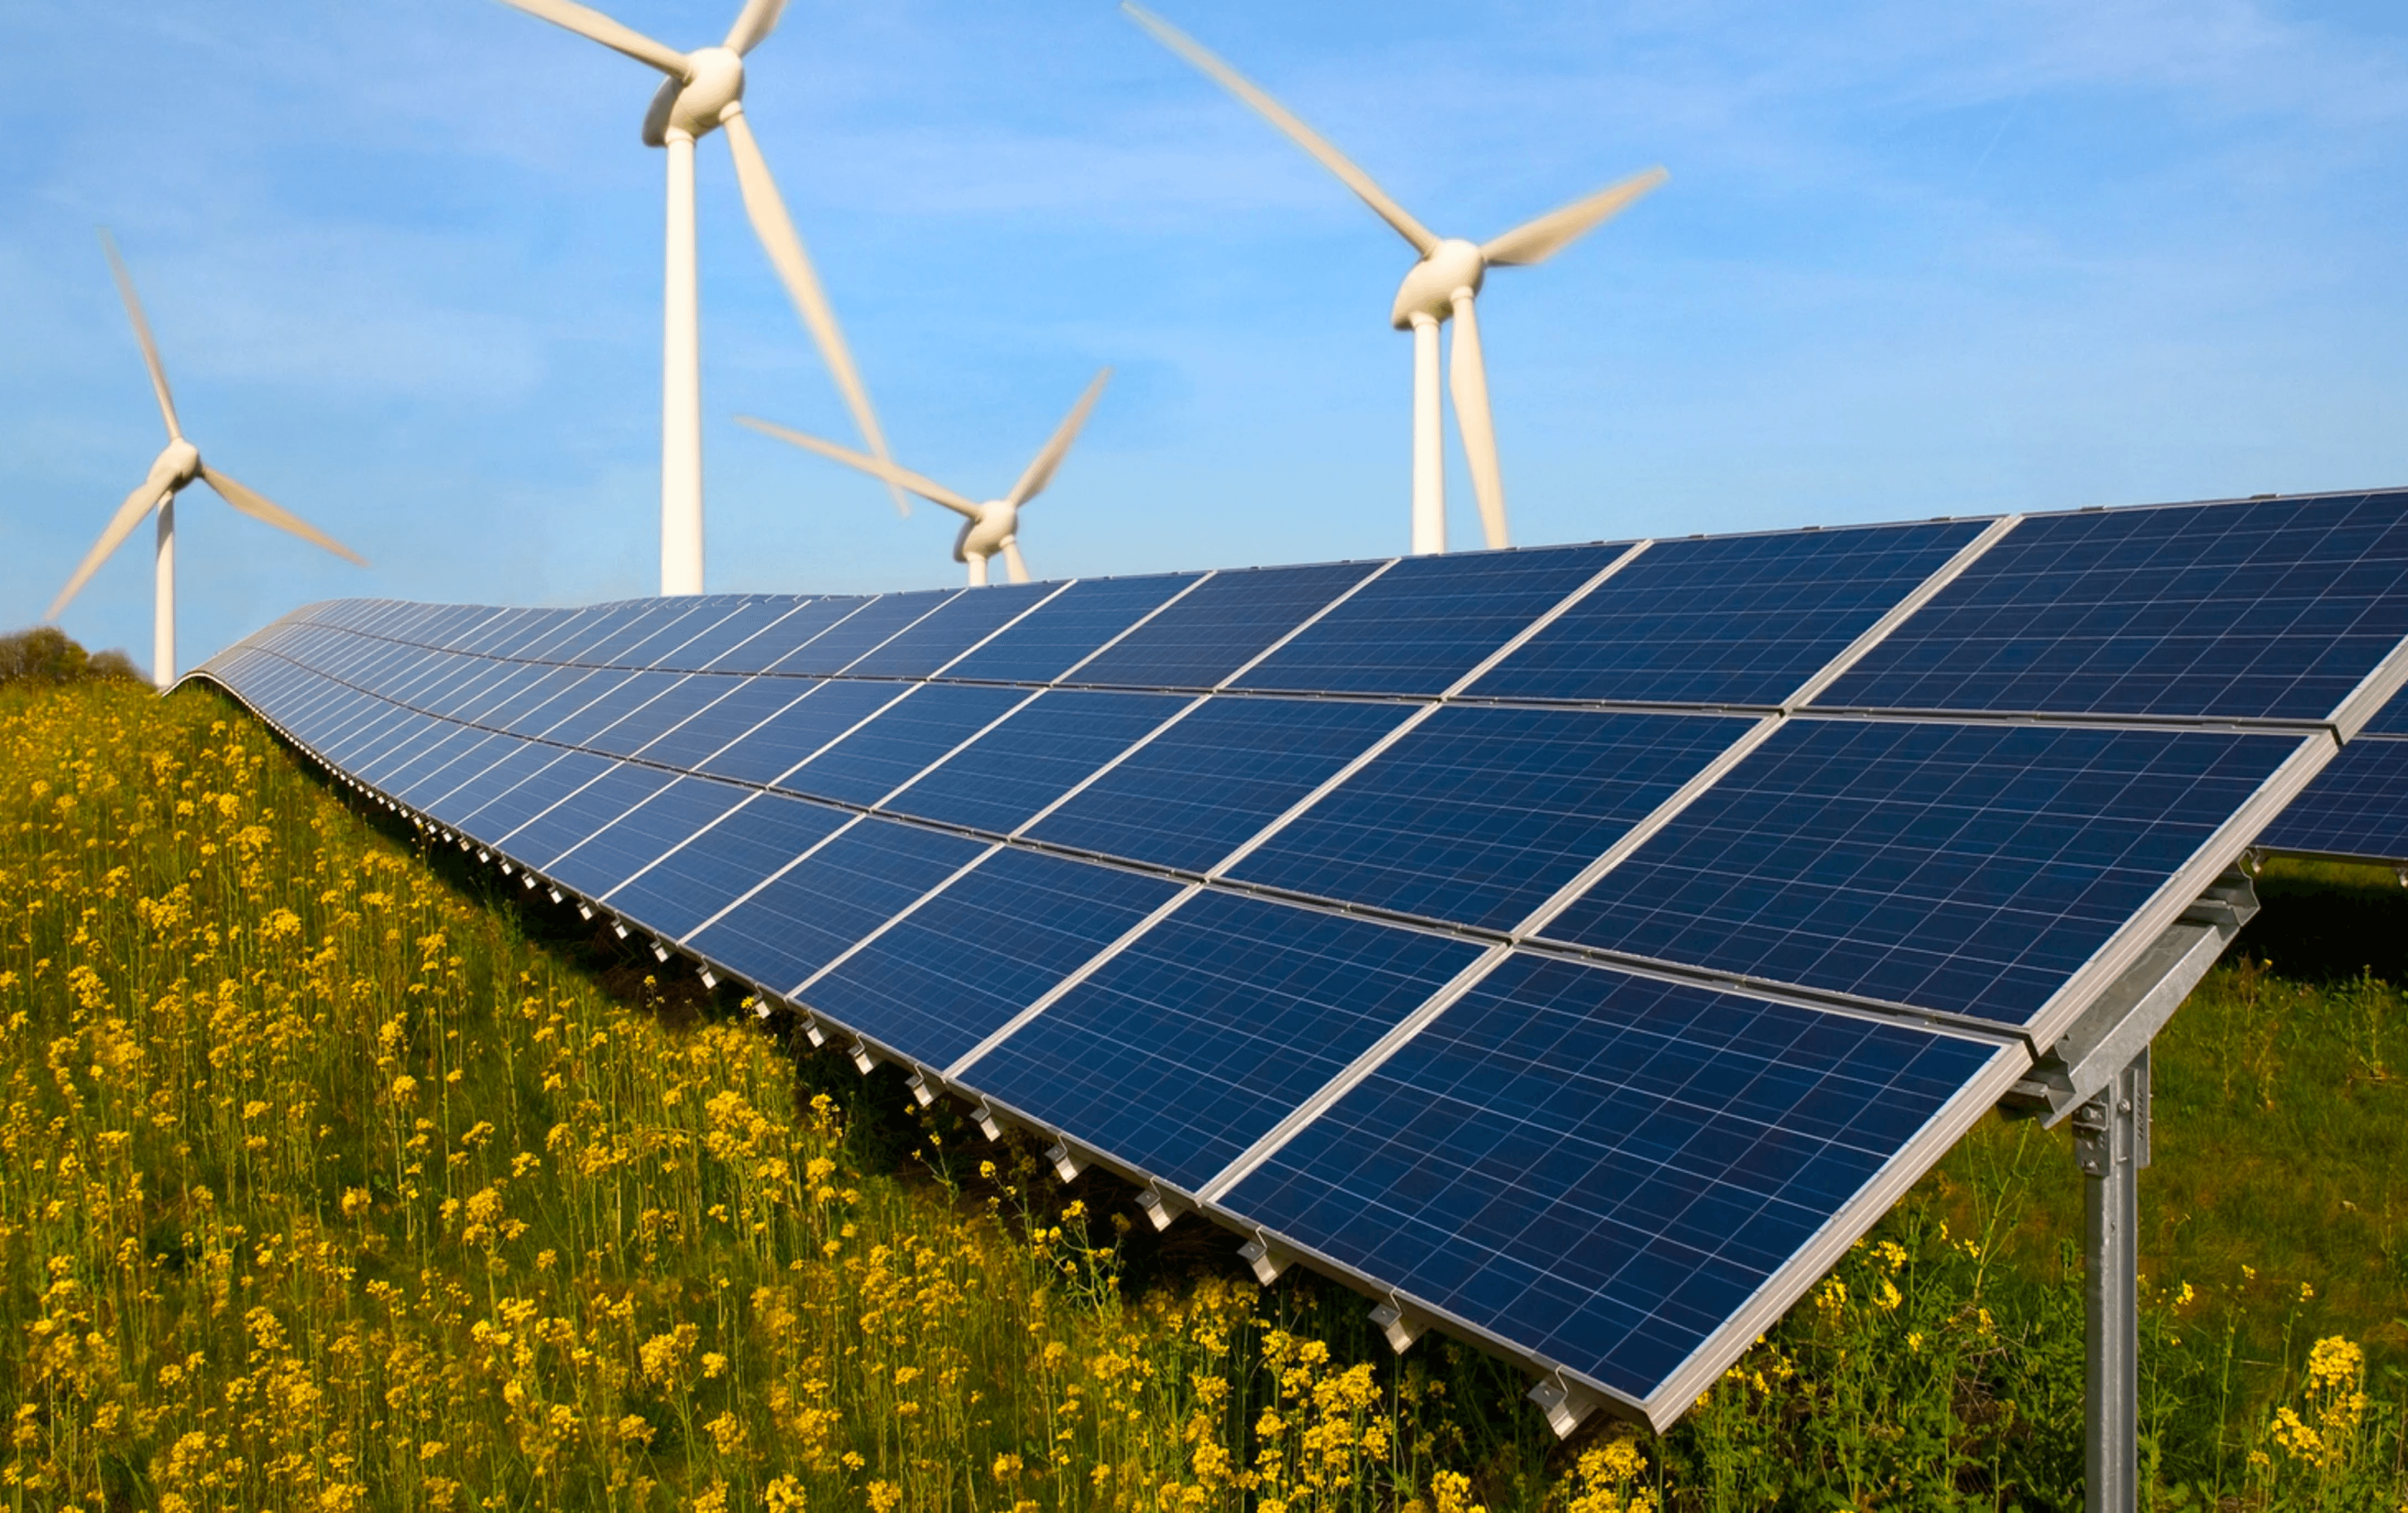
(1577, 947)
(2356, 810)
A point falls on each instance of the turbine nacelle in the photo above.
(699, 102)
(1429, 290)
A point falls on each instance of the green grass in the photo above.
(334, 1174)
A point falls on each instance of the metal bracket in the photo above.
(988, 1124)
(2120, 1022)
(1066, 1164)
(1161, 1207)
(555, 894)
(812, 1032)
(1267, 1263)
(1402, 1325)
(584, 910)
(1564, 1405)
(709, 979)
(862, 1062)
(921, 1092)
(660, 951)
(619, 928)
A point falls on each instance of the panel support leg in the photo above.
(2111, 1144)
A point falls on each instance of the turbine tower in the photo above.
(177, 465)
(986, 529)
(704, 88)
(1443, 286)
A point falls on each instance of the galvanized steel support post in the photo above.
(2111, 1144)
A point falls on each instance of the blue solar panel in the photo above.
(956, 625)
(1965, 869)
(723, 862)
(522, 760)
(738, 626)
(2358, 806)
(543, 839)
(802, 728)
(1046, 749)
(2273, 608)
(1190, 796)
(1068, 628)
(606, 702)
(809, 914)
(440, 744)
(649, 619)
(861, 633)
(674, 703)
(644, 834)
(1726, 620)
(545, 786)
(743, 703)
(906, 736)
(1188, 1047)
(986, 948)
(1602, 1167)
(772, 644)
(422, 792)
(664, 646)
(1480, 813)
(1421, 625)
(1219, 626)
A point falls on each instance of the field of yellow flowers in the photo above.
(330, 1181)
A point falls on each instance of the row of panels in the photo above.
(1600, 1170)
(2261, 610)
(1961, 869)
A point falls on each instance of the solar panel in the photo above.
(2355, 810)
(1728, 620)
(1970, 869)
(1357, 907)
(2271, 609)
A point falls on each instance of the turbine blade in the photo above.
(1041, 472)
(250, 502)
(1535, 241)
(753, 27)
(1279, 115)
(588, 22)
(776, 229)
(141, 333)
(143, 499)
(876, 468)
(1467, 378)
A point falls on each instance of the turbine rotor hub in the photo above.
(1430, 288)
(997, 522)
(179, 464)
(697, 106)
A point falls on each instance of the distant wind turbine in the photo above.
(986, 529)
(175, 467)
(1442, 285)
(704, 88)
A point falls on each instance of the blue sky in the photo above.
(404, 262)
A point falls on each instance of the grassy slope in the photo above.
(329, 1178)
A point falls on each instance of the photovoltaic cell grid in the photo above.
(1478, 928)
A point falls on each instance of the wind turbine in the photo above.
(1442, 286)
(704, 88)
(176, 466)
(988, 528)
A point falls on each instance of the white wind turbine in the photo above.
(704, 88)
(1442, 286)
(986, 529)
(176, 466)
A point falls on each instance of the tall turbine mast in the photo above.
(705, 90)
(988, 529)
(1443, 286)
(177, 464)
